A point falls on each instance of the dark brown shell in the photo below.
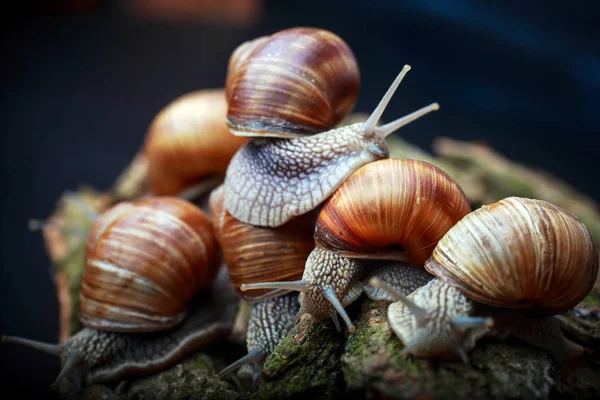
(391, 205)
(145, 260)
(260, 254)
(188, 140)
(296, 82)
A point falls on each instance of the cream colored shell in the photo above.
(519, 252)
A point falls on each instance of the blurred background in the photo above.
(82, 80)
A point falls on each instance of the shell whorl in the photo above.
(519, 252)
(261, 254)
(391, 202)
(189, 140)
(298, 81)
(144, 262)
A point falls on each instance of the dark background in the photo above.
(81, 81)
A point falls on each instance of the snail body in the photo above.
(269, 181)
(383, 205)
(510, 265)
(270, 321)
(188, 140)
(147, 263)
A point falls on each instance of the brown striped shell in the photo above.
(391, 206)
(519, 252)
(145, 260)
(296, 82)
(188, 140)
(260, 254)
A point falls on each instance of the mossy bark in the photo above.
(315, 360)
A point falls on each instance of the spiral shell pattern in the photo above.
(188, 140)
(261, 254)
(296, 82)
(392, 203)
(144, 261)
(519, 252)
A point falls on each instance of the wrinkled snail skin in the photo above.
(295, 82)
(382, 205)
(270, 321)
(403, 277)
(272, 180)
(94, 356)
(503, 270)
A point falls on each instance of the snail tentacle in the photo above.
(435, 321)
(329, 294)
(50, 348)
(328, 277)
(371, 123)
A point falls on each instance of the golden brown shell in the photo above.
(188, 140)
(296, 82)
(260, 254)
(144, 261)
(519, 252)
(392, 203)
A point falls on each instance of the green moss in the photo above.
(192, 379)
(306, 361)
(372, 366)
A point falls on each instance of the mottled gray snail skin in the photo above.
(272, 180)
(404, 278)
(438, 321)
(270, 320)
(331, 281)
(94, 356)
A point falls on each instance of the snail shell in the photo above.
(391, 203)
(257, 254)
(296, 82)
(519, 252)
(145, 260)
(188, 140)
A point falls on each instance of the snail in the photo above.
(269, 181)
(151, 293)
(188, 140)
(255, 254)
(390, 209)
(278, 88)
(296, 82)
(270, 321)
(504, 269)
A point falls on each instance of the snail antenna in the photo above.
(329, 294)
(298, 286)
(370, 124)
(256, 356)
(461, 353)
(49, 348)
(393, 126)
(418, 312)
(72, 360)
(464, 322)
